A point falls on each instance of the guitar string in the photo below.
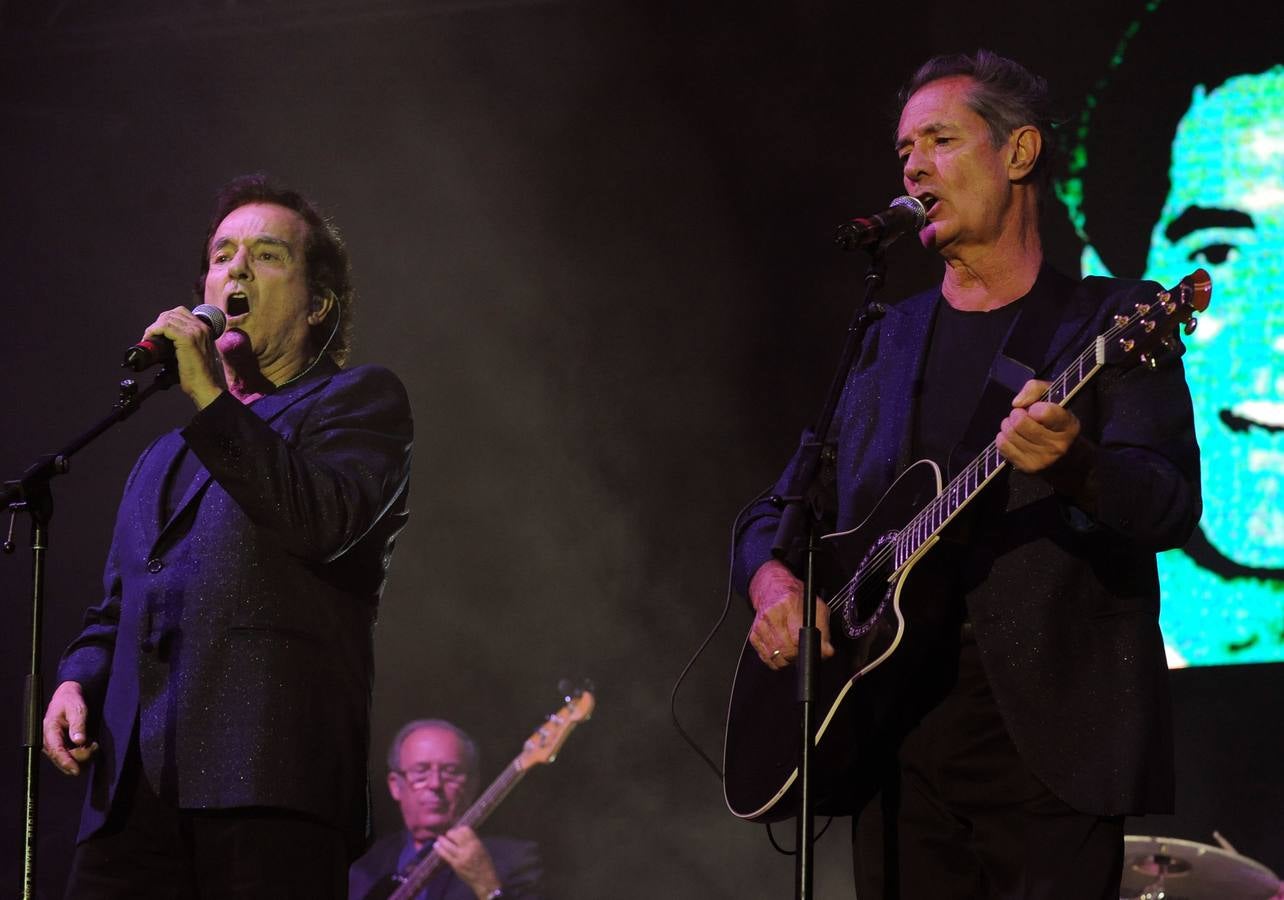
(843, 598)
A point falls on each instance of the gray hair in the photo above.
(472, 757)
(1006, 95)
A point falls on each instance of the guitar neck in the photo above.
(981, 471)
(476, 815)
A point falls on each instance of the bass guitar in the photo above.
(760, 752)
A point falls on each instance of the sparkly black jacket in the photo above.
(236, 637)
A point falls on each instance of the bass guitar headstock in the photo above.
(544, 744)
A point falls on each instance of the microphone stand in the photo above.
(802, 510)
(31, 493)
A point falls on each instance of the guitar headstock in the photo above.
(544, 744)
(1141, 336)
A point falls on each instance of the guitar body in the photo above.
(760, 755)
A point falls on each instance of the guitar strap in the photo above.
(1022, 355)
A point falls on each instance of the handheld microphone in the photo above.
(151, 351)
(904, 215)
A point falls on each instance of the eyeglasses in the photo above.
(447, 773)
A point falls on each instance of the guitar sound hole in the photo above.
(870, 588)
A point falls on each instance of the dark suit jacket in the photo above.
(516, 862)
(236, 637)
(1067, 617)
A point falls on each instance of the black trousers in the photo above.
(152, 850)
(960, 817)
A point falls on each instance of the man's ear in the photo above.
(1024, 145)
(320, 306)
(394, 786)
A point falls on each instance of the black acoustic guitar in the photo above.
(541, 747)
(867, 623)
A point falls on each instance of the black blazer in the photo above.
(235, 638)
(1067, 617)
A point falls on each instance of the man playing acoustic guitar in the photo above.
(1028, 709)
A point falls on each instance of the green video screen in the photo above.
(1216, 202)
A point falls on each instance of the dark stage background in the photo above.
(593, 239)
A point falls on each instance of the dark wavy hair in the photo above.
(325, 256)
(1006, 95)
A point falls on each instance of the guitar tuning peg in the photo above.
(1142, 308)
(1127, 344)
(1148, 325)
(571, 690)
(1151, 362)
(1121, 321)
(1191, 324)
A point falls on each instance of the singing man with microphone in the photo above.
(219, 692)
(1028, 711)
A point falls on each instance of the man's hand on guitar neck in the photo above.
(776, 596)
(1037, 433)
(1044, 439)
(464, 851)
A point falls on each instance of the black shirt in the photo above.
(961, 348)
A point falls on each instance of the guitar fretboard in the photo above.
(981, 470)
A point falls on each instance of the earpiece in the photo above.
(334, 330)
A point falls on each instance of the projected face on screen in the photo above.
(1225, 212)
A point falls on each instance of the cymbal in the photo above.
(1193, 871)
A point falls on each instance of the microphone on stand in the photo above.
(149, 352)
(905, 215)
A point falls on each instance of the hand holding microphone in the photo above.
(186, 337)
(158, 348)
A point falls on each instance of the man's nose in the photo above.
(915, 166)
(240, 268)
